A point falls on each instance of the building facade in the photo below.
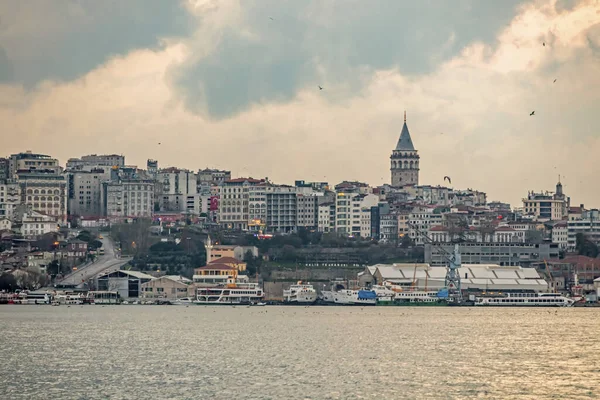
(31, 162)
(94, 160)
(85, 191)
(306, 211)
(45, 193)
(493, 253)
(348, 210)
(10, 198)
(176, 184)
(234, 195)
(404, 161)
(281, 209)
(128, 198)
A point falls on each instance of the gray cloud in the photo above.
(330, 43)
(63, 40)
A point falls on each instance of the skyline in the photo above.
(224, 86)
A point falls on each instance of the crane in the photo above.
(452, 280)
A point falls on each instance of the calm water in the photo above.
(196, 352)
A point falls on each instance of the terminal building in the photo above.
(474, 277)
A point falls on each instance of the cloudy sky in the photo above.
(233, 84)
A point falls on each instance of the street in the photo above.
(107, 261)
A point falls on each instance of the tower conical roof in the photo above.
(405, 142)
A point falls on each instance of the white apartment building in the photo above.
(34, 224)
(176, 185)
(5, 224)
(326, 217)
(45, 193)
(589, 225)
(94, 160)
(281, 208)
(306, 211)
(423, 220)
(10, 198)
(365, 223)
(560, 235)
(234, 195)
(388, 228)
(198, 204)
(85, 191)
(547, 206)
(257, 207)
(31, 162)
(128, 198)
(348, 209)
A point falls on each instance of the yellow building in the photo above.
(214, 273)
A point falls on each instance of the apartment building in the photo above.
(234, 202)
(281, 208)
(176, 185)
(127, 198)
(44, 192)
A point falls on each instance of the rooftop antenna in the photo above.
(404, 116)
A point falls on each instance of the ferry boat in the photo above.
(417, 298)
(300, 294)
(349, 297)
(525, 300)
(232, 293)
(69, 299)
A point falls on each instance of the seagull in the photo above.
(271, 18)
(449, 180)
(159, 143)
(320, 88)
(532, 113)
(544, 44)
(554, 81)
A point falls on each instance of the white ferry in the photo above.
(69, 299)
(351, 297)
(383, 293)
(525, 300)
(230, 294)
(300, 294)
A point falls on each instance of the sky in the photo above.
(233, 84)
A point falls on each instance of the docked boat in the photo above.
(525, 300)
(69, 299)
(300, 294)
(349, 297)
(232, 293)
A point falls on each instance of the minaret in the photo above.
(404, 161)
(208, 245)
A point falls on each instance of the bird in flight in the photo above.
(448, 179)
(320, 88)
(159, 143)
(532, 113)
(271, 18)
(554, 81)
(544, 44)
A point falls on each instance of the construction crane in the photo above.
(452, 280)
(549, 273)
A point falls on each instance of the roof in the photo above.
(580, 260)
(135, 274)
(215, 266)
(226, 260)
(405, 142)
(178, 278)
(242, 180)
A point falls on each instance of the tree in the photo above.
(86, 236)
(406, 241)
(253, 264)
(8, 282)
(585, 247)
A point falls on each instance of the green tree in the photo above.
(585, 247)
(86, 236)
(253, 264)
(8, 282)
